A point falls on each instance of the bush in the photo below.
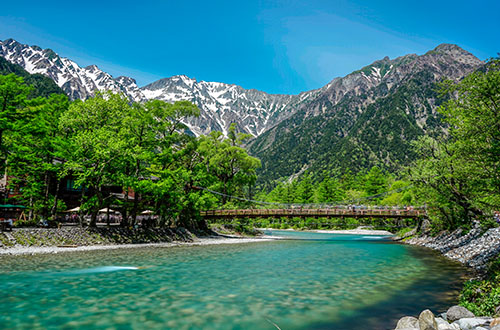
(482, 296)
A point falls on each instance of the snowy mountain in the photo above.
(77, 82)
(220, 104)
(267, 116)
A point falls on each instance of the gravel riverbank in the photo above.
(474, 249)
(36, 240)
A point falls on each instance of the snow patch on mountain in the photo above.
(220, 104)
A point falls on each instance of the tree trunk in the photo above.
(80, 215)
(93, 220)
(53, 211)
(46, 195)
(135, 208)
(30, 213)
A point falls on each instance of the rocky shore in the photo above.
(456, 318)
(473, 249)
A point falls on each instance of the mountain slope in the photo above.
(77, 82)
(42, 85)
(394, 103)
(221, 104)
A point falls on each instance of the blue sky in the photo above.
(276, 46)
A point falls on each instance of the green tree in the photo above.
(375, 182)
(459, 176)
(35, 160)
(13, 94)
(229, 162)
(330, 190)
(305, 190)
(97, 148)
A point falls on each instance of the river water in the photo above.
(309, 281)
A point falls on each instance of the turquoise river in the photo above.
(309, 281)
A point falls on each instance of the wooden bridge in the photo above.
(316, 213)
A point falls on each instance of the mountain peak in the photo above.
(447, 47)
(10, 41)
(455, 53)
(451, 49)
(92, 67)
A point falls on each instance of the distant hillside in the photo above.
(390, 103)
(42, 85)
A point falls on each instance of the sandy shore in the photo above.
(199, 241)
(357, 231)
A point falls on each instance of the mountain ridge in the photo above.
(354, 127)
(364, 118)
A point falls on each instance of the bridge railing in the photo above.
(335, 212)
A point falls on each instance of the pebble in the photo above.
(474, 249)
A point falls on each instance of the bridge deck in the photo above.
(305, 213)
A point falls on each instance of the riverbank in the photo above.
(477, 249)
(474, 249)
(39, 240)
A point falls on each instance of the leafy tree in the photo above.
(375, 182)
(305, 190)
(227, 161)
(330, 190)
(96, 148)
(35, 158)
(13, 94)
(459, 176)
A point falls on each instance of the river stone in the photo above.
(455, 313)
(444, 325)
(470, 323)
(496, 327)
(407, 322)
(426, 321)
(425, 227)
(495, 322)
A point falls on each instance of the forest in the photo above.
(146, 151)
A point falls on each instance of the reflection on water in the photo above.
(103, 269)
(320, 281)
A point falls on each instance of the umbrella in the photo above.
(106, 210)
(147, 212)
(75, 209)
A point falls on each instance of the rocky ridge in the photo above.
(77, 82)
(222, 104)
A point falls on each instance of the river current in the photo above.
(309, 281)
